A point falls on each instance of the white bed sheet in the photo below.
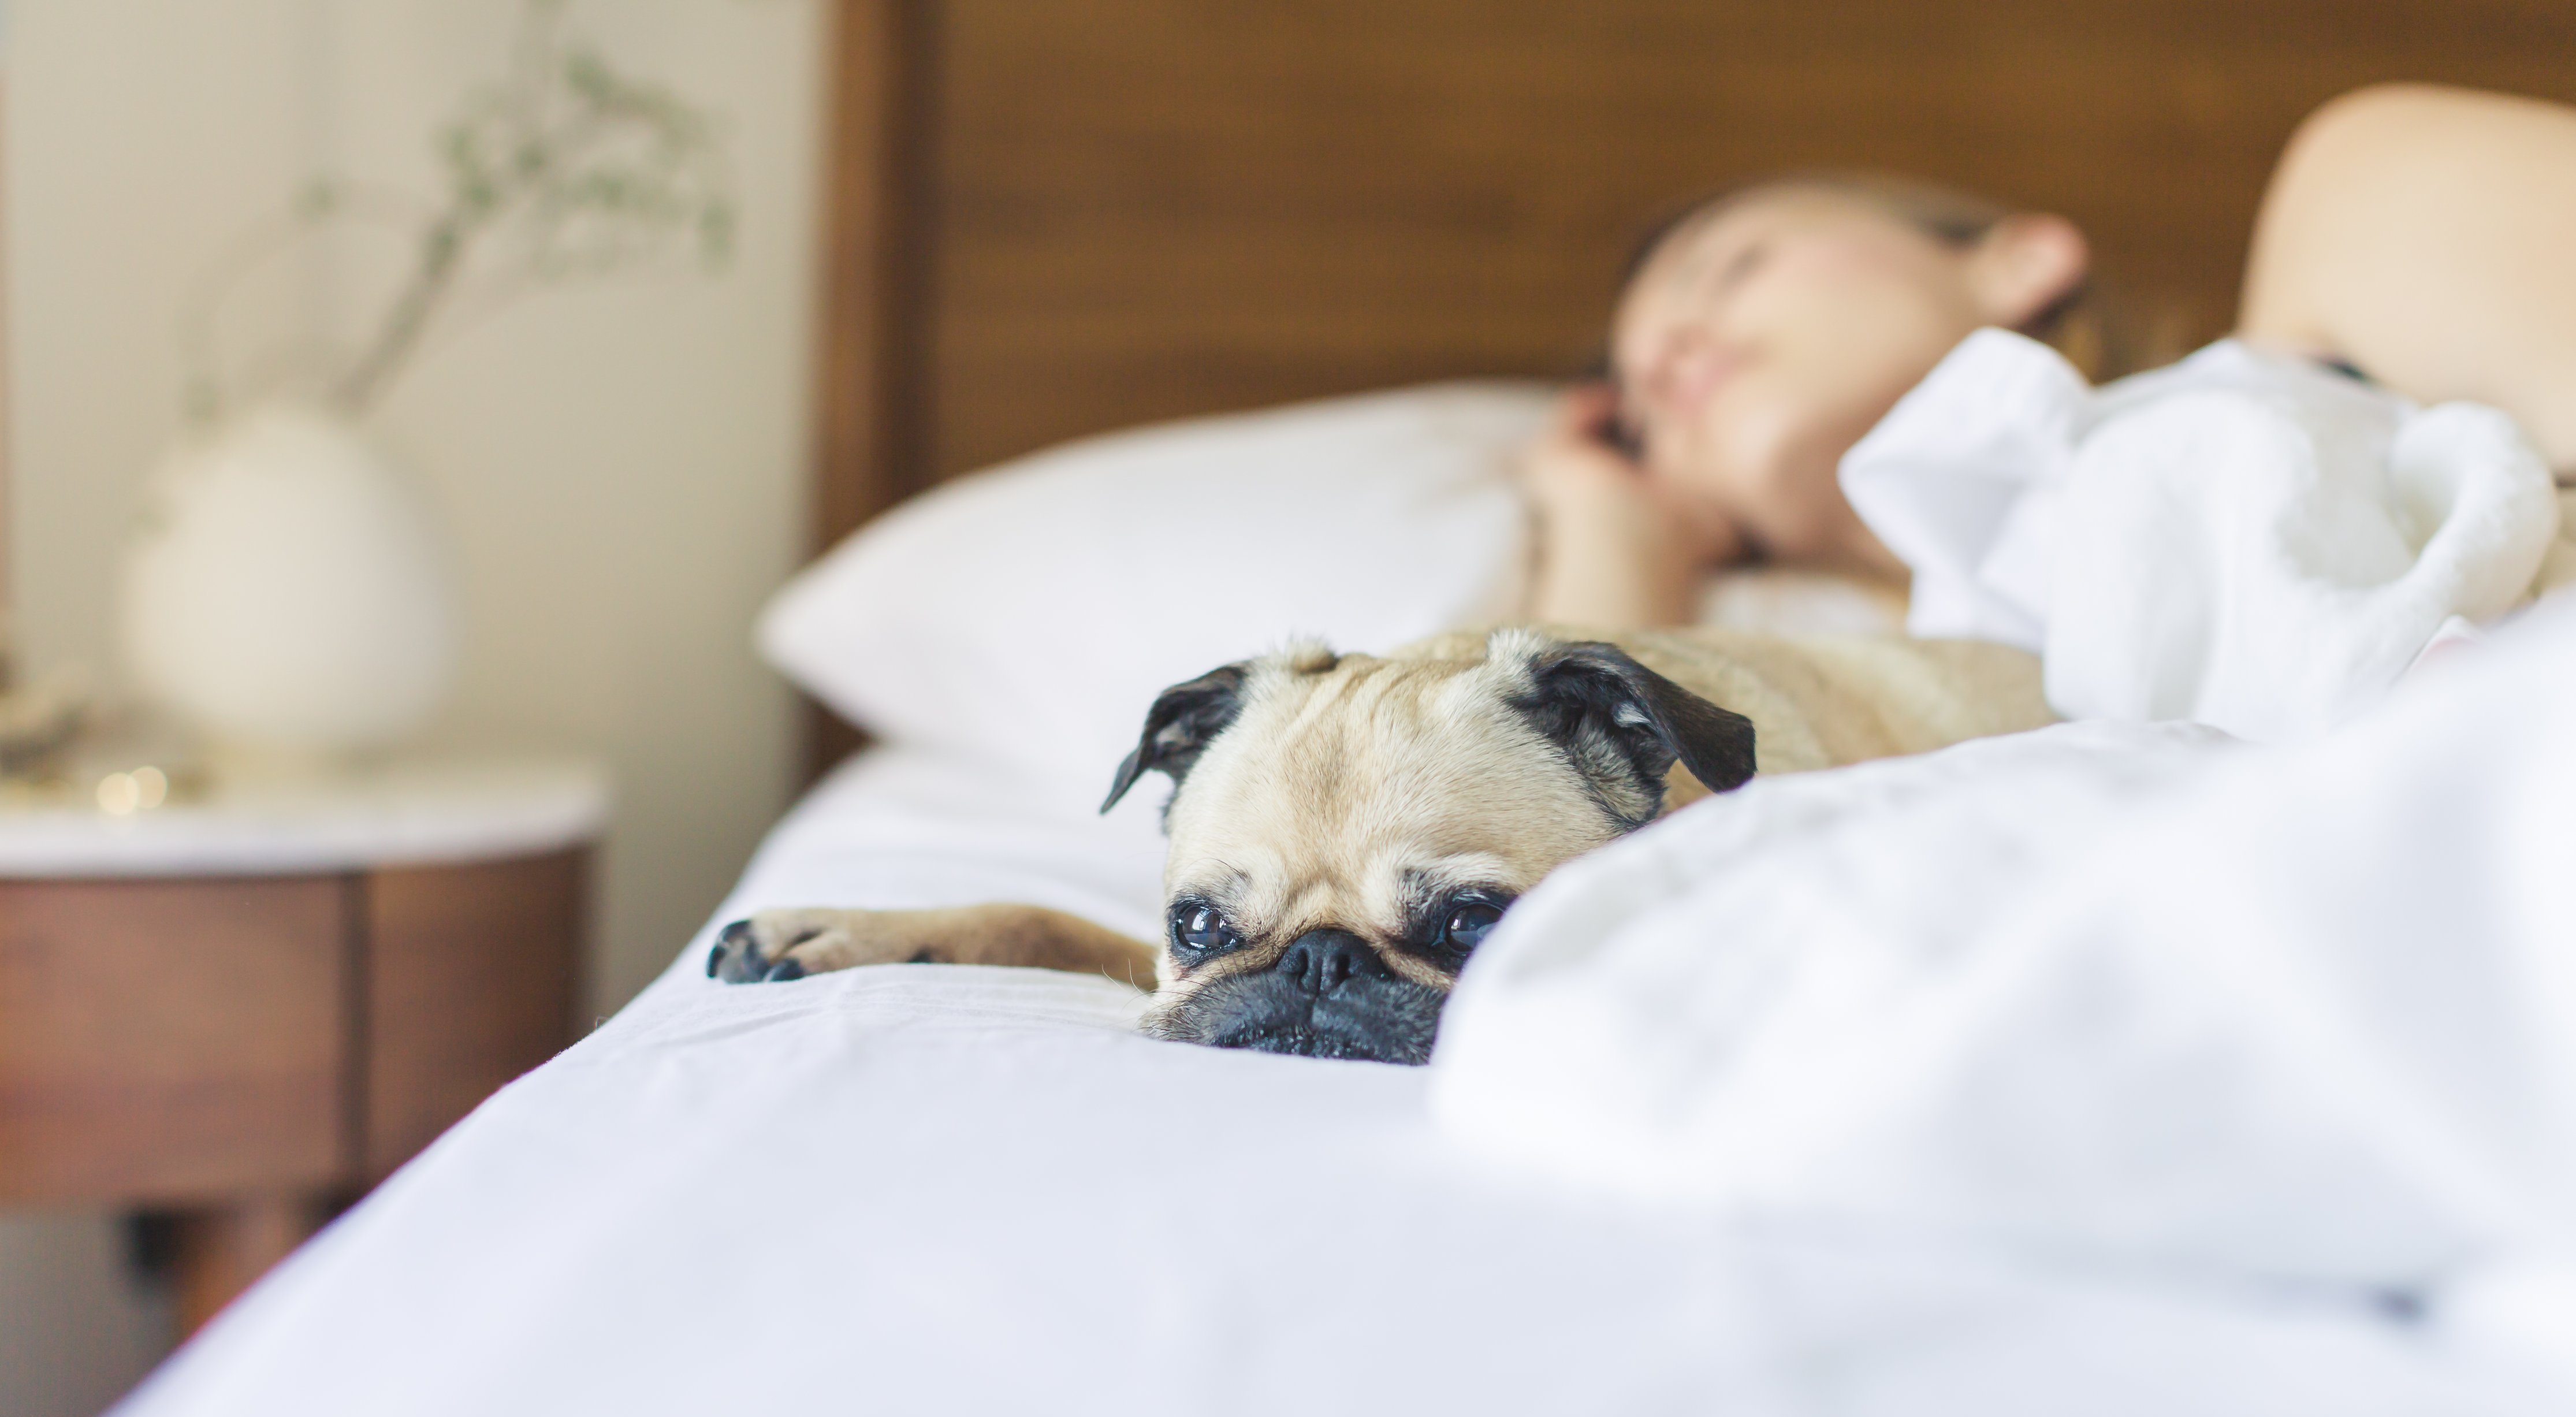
(925, 1188)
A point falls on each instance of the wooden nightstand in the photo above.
(249, 1008)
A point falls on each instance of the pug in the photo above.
(1345, 830)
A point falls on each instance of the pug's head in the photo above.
(1346, 829)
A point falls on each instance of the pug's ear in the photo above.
(1624, 725)
(1180, 725)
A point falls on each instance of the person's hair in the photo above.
(2089, 324)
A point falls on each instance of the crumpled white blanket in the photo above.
(2103, 996)
(2241, 539)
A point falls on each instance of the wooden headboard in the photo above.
(1052, 217)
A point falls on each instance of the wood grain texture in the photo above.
(872, 389)
(471, 977)
(871, 386)
(1148, 208)
(168, 1040)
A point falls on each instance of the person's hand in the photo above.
(1613, 550)
(1575, 469)
(1577, 473)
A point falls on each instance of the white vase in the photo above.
(286, 592)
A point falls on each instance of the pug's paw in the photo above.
(775, 945)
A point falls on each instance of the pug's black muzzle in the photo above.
(1327, 996)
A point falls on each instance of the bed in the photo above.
(936, 1188)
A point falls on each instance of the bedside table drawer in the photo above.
(162, 1039)
(470, 982)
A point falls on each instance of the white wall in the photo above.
(622, 466)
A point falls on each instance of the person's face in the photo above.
(1756, 345)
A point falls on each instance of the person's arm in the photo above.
(2428, 236)
(1610, 554)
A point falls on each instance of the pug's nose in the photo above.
(1321, 961)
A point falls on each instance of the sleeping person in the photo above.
(1888, 387)
(1758, 338)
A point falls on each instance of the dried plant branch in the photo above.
(564, 170)
(321, 203)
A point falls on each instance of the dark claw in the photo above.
(736, 960)
(732, 959)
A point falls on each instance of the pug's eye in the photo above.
(1200, 927)
(1467, 924)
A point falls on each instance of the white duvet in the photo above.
(2087, 1072)
(2108, 999)
(2241, 539)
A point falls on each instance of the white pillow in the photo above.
(1028, 614)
